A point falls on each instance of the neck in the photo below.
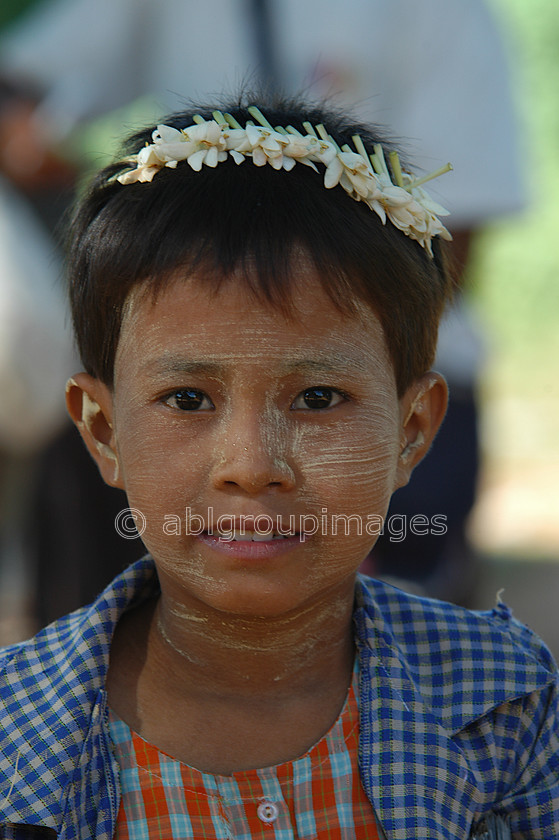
(262, 690)
(239, 655)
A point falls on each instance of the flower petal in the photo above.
(211, 157)
(259, 157)
(196, 160)
(167, 134)
(334, 172)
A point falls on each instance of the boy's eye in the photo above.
(317, 398)
(189, 399)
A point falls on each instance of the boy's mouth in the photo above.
(246, 535)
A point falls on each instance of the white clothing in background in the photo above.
(434, 71)
(36, 354)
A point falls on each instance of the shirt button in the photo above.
(267, 811)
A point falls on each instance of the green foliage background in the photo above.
(516, 267)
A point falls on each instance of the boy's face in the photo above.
(227, 417)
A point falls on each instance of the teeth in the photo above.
(269, 535)
(239, 537)
(252, 536)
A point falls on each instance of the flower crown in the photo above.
(364, 177)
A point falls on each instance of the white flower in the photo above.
(357, 174)
(334, 172)
(142, 174)
(169, 145)
(209, 142)
(304, 150)
(264, 145)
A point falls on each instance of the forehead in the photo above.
(189, 322)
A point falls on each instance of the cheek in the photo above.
(358, 457)
(348, 485)
(156, 467)
(161, 482)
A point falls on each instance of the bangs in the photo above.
(241, 220)
(254, 223)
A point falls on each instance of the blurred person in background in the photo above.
(35, 342)
(435, 71)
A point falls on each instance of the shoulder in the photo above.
(462, 662)
(52, 703)
(65, 664)
(412, 618)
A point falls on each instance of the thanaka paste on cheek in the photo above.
(255, 453)
(365, 452)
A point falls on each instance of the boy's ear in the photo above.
(423, 408)
(90, 405)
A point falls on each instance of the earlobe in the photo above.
(423, 407)
(89, 403)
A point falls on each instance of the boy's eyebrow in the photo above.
(326, 363)
(180, 364)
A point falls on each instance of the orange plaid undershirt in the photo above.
(317, 795)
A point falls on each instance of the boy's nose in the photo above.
(253, 459)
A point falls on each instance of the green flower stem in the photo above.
(377, 168)
(419, 181)
(379, 156)
(259, 116)
(231, 121)
(360, 148)
(219, 118)
(396, 168)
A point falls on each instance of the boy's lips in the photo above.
(252, 528)
(252, 539)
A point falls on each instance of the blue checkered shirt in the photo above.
(458, 720)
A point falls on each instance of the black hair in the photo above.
(252, 220)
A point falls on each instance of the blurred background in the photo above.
(515, 289)
(472, 83)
